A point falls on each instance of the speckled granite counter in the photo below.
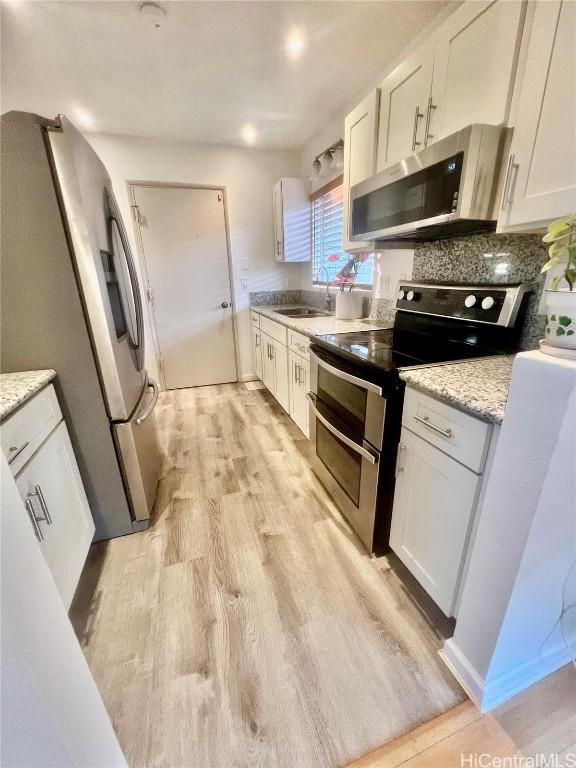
(16, 388)
(318, 326)
(479, 387)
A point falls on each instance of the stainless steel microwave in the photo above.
(449, 188)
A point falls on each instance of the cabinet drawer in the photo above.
(255, 318)
(24, 431)
(273, 329)
(298, 343)
(456, 433)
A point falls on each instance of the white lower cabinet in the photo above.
(257, 350)
(299, 386)
(275, 369)
(434, 504)
(57, 507)
(282, 362)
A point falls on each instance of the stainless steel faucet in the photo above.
(328, 297)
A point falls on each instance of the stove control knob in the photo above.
(470, 300)
(401, 295)
(488, 302)
(410, 295)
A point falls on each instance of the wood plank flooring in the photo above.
(247, 626)
(538, 721)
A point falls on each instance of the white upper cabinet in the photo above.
(404, 100)
(464, 74)
(360, 141)
(292, 238)
(474, 65)
(541, 181)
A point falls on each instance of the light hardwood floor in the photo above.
(539, 721)
(247, 626)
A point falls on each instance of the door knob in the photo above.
(224, 305)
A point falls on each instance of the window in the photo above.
(329, 260)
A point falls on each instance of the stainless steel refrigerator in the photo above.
(70, 300)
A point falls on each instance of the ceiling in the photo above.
(211, 68)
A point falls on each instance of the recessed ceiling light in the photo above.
(84, 118)
(295, 46)
(249, 133)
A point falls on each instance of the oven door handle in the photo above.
(347, 376)
(370, 456)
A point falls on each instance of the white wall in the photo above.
(248, 176)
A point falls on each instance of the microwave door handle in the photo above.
(364, 452)
(347, 376)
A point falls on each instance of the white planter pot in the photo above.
(560, 319)
(348, 305)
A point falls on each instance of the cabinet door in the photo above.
(280, 361)
(405, 94)
(541, 181)
(434, 503)
(474, 66)
(299, 378)
(51, 481)
(278, 225)
(268, 368)
(360, 137)
(257, 351)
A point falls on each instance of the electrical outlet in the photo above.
(244, 283)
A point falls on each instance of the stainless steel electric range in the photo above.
(357, 394)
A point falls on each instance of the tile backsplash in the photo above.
(477, 259)
(489, 259)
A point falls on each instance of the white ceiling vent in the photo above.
(153, 14)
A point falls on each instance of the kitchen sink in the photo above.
(302, 312)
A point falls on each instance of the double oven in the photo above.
(354, 427)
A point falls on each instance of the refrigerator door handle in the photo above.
(156, 394)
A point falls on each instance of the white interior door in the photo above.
(183, 237)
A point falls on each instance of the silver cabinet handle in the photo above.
(156, 394)
(417, 116)
(15, 451)
(399, 464)
(42, 500)
(33, 520)
(45, 513)
(427, 423)
(427, 134)
(224, 305)
(507, 194)
(301, 347)
(346, 376)
(364, 452)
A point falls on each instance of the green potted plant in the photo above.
(561, 294)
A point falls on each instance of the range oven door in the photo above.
(357, 403)
(347, 466)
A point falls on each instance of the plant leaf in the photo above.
(560, 331)
(550, 264)
(554, 286)
(564, 320)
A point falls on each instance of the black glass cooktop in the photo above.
(392, 348)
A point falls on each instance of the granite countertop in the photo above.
(16, 388)
(318, 326)
(479, 387)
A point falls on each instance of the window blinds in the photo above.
(328, 256)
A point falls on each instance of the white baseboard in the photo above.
(509, 683)
(488, 694)
(249, 377)
(468, 677)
